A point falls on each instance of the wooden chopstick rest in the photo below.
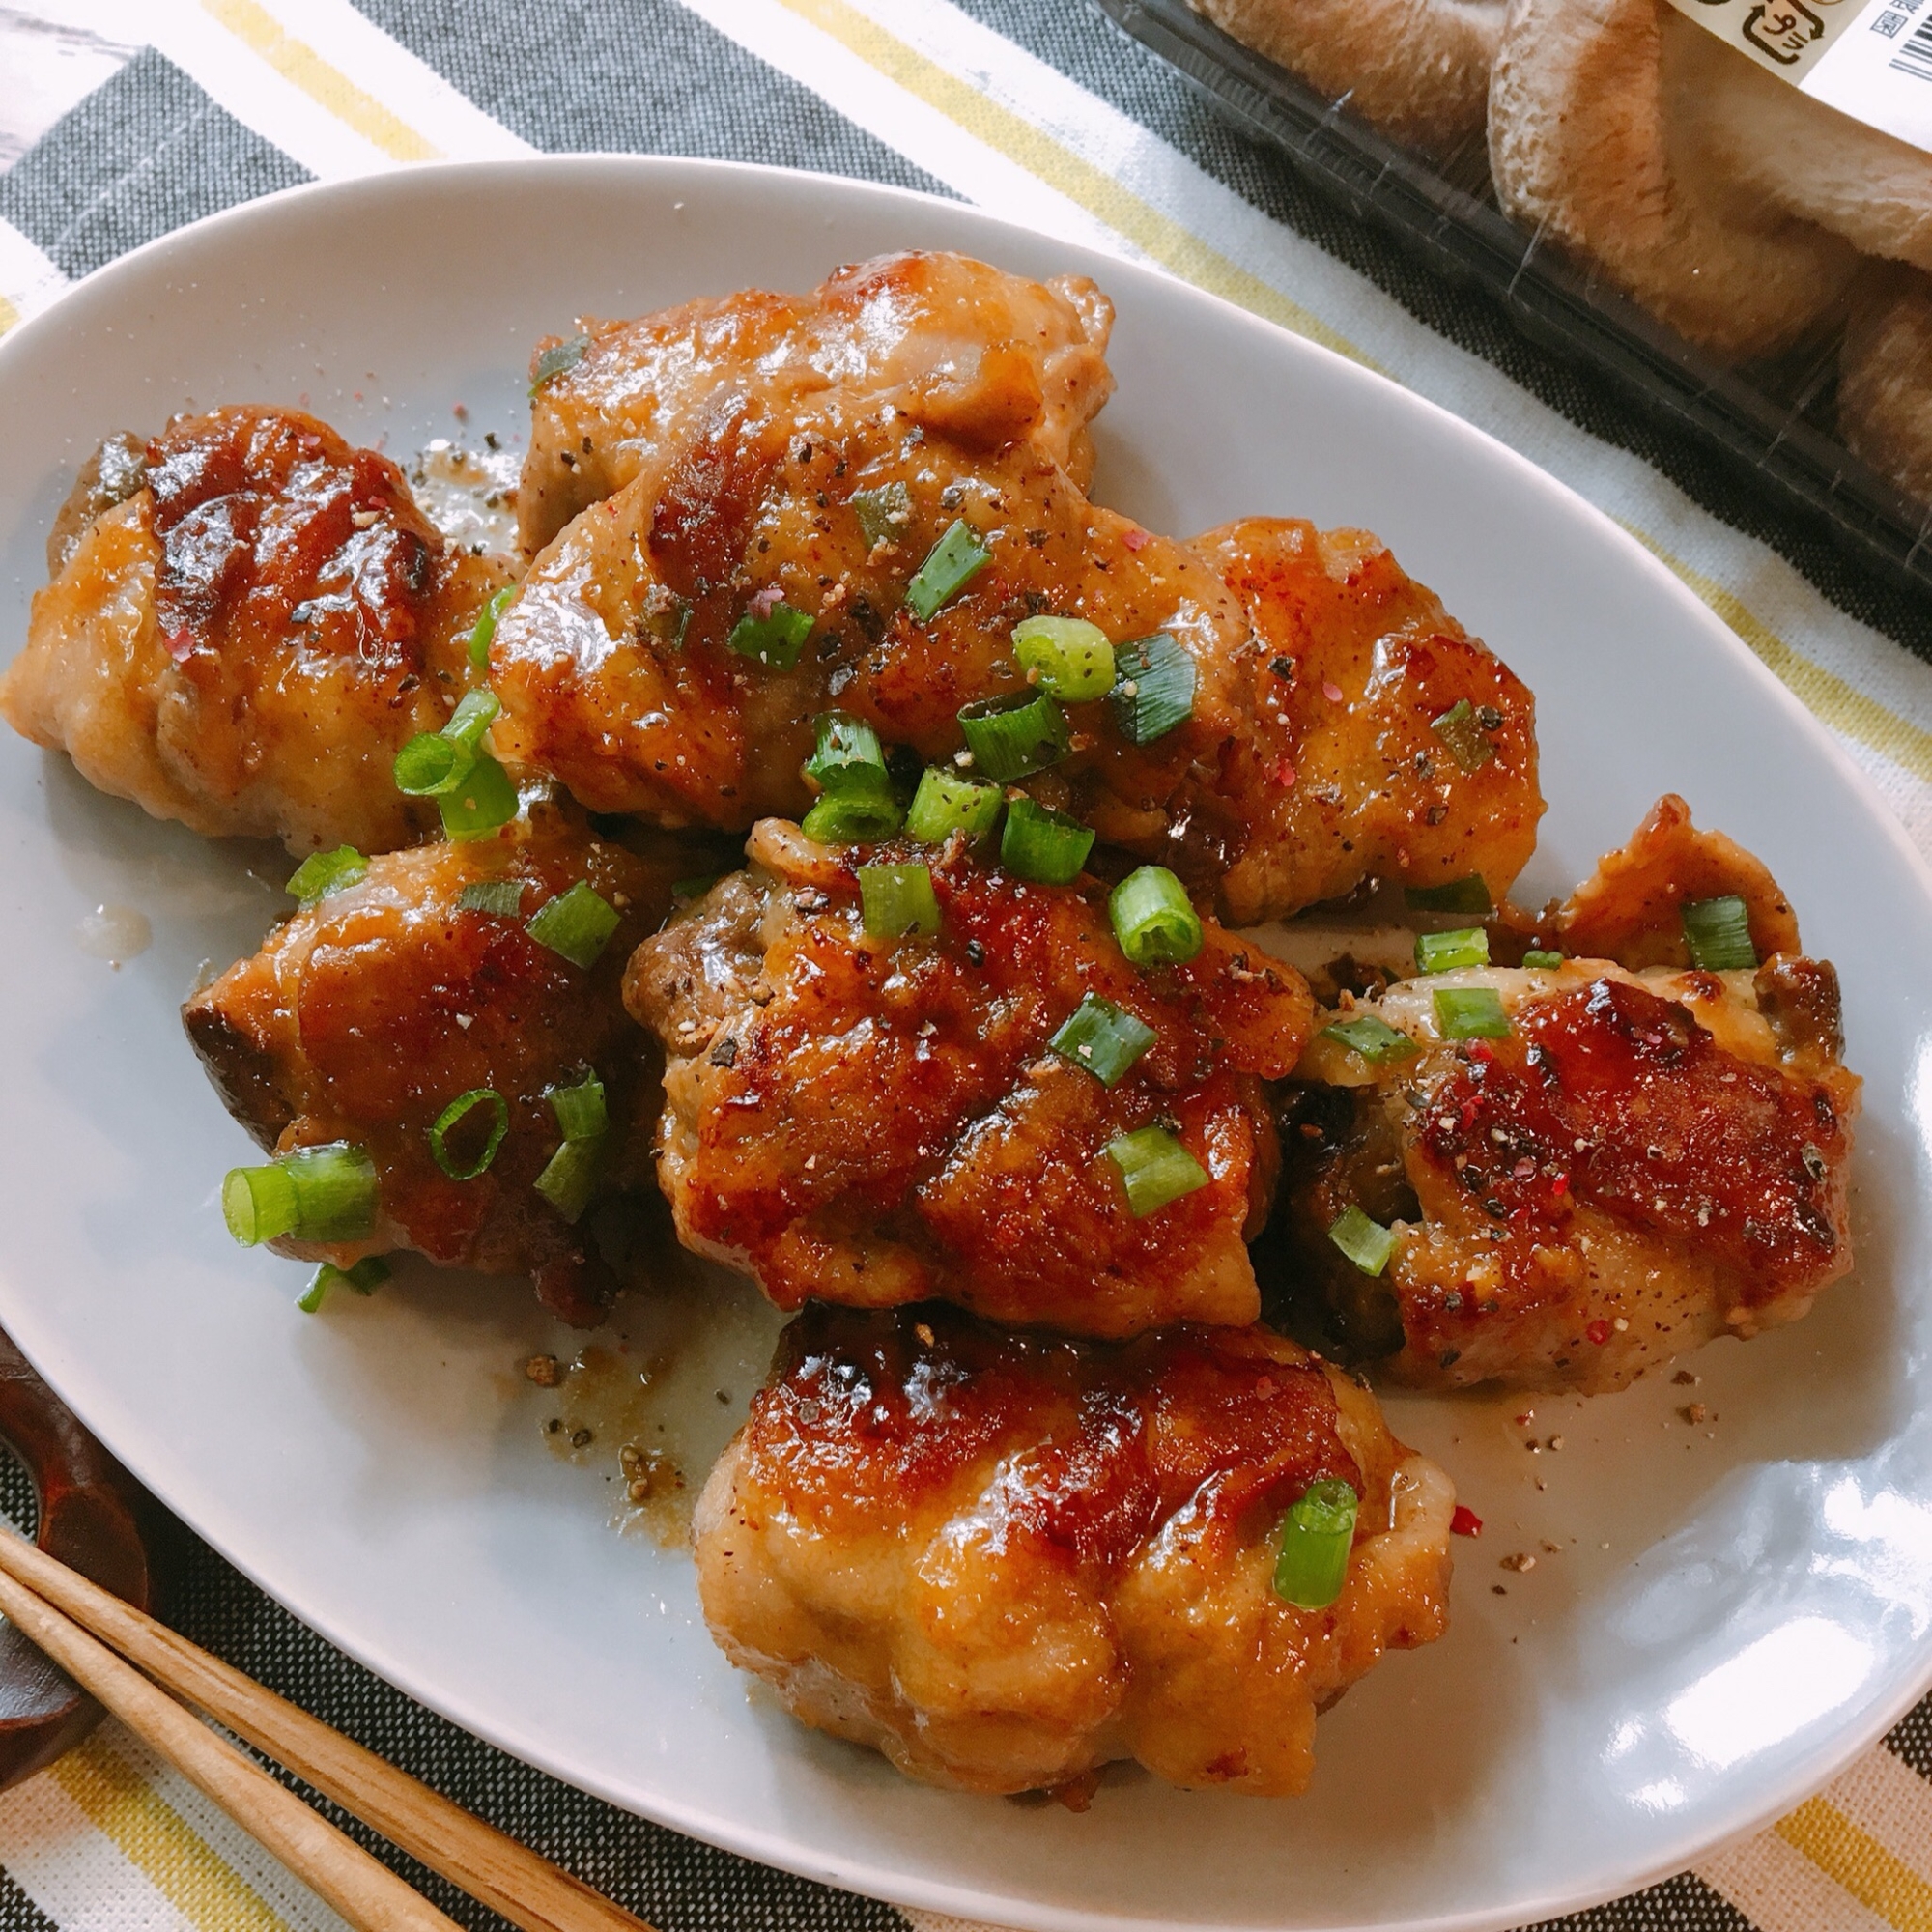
(366, 1893)
(508, 1877)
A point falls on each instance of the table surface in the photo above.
(120, 122)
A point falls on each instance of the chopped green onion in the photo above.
(1373, 1038)
(1470, 1013)
(1009, 737)
(1156, 1169)
(1074, 659)
(1459, 730)
(883, 513)
(556, 359)
(1153, 688)
(1103, 1037)
(849, 752)
(576, 924)
(1718, 932)
(665, 616)
(957, 557)
(1366, 1242)
(460, 1109)
(1470, 895)
(365, 1278)
(1316, 1536)
(1535, 958)
(943, 804)
(570, 1177)
(774, 639)
(581, 1112)
(484, 801)
(1152, 919)
(1044, 846)
(1444, 951)
(856, 818)
(485, 632)
(322, 873)
(316, 1194)
(434, 765)
(694, 888)
(471, 717)
(897, 900)
(503, 897)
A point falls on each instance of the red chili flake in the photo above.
(1598, 1331)
(1560, 1186)
(1284, 773)
(1332, 692)
(1482, 1051)
(1466, 1522)
(1136, 539)
(180, 644)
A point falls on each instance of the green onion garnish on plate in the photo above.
(1445, 951)
(1534, 959)
(504, 897)
(1155, 1168)
(1470, 1013)
(1373, 1038)
(1461, 731)
(556, 359)
(1469, 895)
(945, 803)
(883, 513)
(774, 640)
(484, 802)
(322, 873)
(1073, 659)
(578, 924)
(570, 1177)
(1047, 847)
(951, 563)
(484, 633)
(847, 751)
(1718, 932)
(859, 805)
(1366, 1242)
(897, 900)
(1103, 1039)
(1152, 919)
(453, 1115)
(365, 1278)
(1316, 1536)
(315, 1194)
(855, 818)
(582, 1113)
(1009, 737)
(1153, 688)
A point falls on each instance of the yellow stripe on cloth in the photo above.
(1158, 236)
(153, 1838)
(9, 315)
(1840, 705)
(327, 86)
(1856, 1860)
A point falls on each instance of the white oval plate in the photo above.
(1731, 1612)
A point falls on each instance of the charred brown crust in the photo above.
(242, 1068)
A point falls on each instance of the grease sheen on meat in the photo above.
(1005, 1560)
(951, 343)
(248, 619)
(874, 1122)
(361, 1018)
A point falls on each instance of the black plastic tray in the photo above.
(1766, 420)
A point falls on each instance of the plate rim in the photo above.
(746, 1839)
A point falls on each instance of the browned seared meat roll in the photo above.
(1005, 1560)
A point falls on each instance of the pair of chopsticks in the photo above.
(57, 1608)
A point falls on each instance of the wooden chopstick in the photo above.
(364, 1892)
(509, 1878)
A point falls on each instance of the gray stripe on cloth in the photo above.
(141, 156)
(672, 1882)
(18, 1911)
(1077, 38)
(640, 76)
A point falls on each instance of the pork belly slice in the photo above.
(1007, 1559)
(247, 619)
(365, 1015)
(1637, 1161)
(873, 1122)
(953, 344)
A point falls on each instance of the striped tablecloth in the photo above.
(119, 122)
